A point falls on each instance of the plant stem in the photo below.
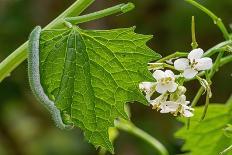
(225, 60)
(217, 48)
(174, 55)
(212, 72)
(155, 66)
(121, 8)
(197, 97)
(194, 42)
(20, 54)
(216, 19)
(131, 128)
(226, 150)
(216, 64)
(206, 106)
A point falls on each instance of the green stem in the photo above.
(20, 54)
(216, 19)
(226, 150)
(174, 55)
(131, 128)
(194, 102)
(225, 60)
(216, 64)
(217, 48)
(206, 106)
(212, 72)
(121, 8)
(197, 97)
(194, 42)
(155, 66)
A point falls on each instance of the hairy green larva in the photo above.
(34, 79)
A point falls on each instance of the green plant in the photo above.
(85, 78)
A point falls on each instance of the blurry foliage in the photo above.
(207, 135)
(26, 127)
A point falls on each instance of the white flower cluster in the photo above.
(172, 99)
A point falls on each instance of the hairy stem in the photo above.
(131, 128)
(216, 19)
(121, 8)
(20, 54)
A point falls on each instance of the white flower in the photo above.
(165, 81)
(169, 106)
(193, 64)
(185, 110)
(159, 100)
(178, 106)
(148, 88)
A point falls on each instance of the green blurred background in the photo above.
(26, 127)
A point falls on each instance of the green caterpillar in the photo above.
(34, 79)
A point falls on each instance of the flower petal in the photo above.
(195, 54)
(204, 64)
(160, 88)
(189, 73)
(168, 106)
(158, 74)
(181, 64)
(172, 87)
(146, 86)
(187, 113)
(169, 73)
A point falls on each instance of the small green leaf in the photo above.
(91, 74)
(207, 137)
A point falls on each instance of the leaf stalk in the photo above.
(132, 129)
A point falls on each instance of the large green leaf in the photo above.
(91, 74)
(207, 137)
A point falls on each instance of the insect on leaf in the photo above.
(90, 74)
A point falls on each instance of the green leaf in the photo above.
(91, 74)
(207, 137)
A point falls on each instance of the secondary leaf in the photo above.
(91, 74)
(207, 137)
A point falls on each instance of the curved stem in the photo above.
(121, 8)
(217, 48)
(216, 19)
(20, 54)
(155, 66)
(131, 128)
(225, 60)
(174, 55)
